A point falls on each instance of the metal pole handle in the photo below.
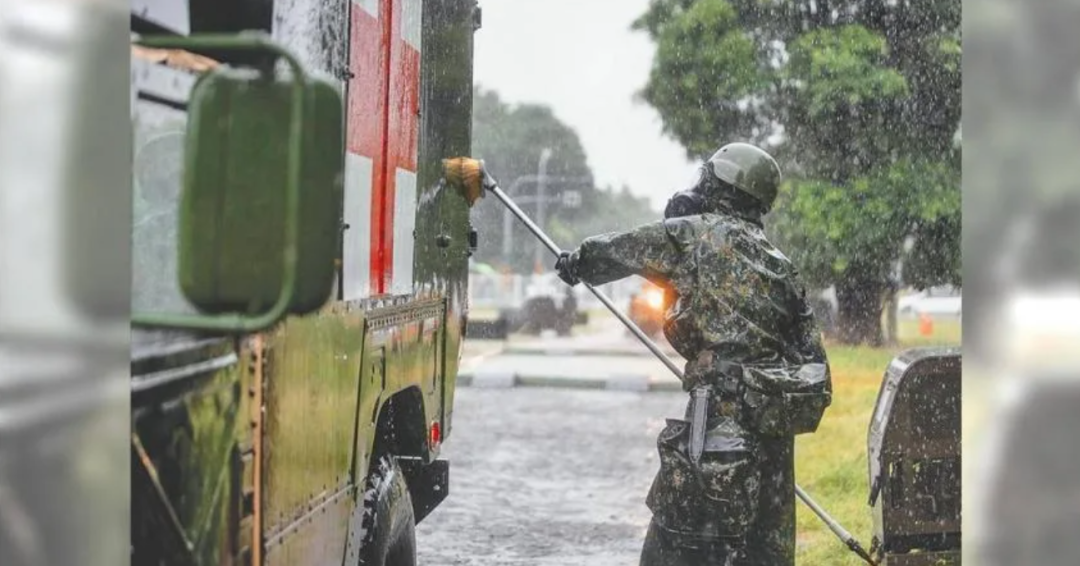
(835, 527)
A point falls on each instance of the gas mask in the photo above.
(684, 203)
(690, 201)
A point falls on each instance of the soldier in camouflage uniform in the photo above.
(740, 317)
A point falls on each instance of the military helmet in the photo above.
(749, 169)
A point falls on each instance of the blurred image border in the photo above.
(64, 282)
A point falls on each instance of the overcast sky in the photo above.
(580, 58)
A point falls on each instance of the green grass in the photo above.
(831, 463)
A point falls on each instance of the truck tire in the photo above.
(389, 524)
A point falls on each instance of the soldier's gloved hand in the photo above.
(697, 371)
(564, 266)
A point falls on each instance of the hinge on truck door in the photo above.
(252, 483)
(242, 508)
(474, 240)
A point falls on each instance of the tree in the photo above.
(837, 230)
(864, 97)
(510, 140)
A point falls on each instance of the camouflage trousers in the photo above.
(770, 539)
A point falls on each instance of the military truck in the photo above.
(300, 277)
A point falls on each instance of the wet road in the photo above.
(547, 477)
(603, 356)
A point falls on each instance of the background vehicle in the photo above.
(936, 301)
(531, 304)
(548, 305)
(492, 320)
(312, 438)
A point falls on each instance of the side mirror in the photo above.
(260, 207)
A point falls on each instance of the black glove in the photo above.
(564, 266)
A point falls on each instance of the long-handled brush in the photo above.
(471, 178)
(473, 181)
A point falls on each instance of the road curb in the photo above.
(628, 383)
(602, 353)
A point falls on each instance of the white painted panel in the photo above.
(411, 21)
(173, 15)
(301, 26)
(356, 263)
(404, 225)
(369, 6)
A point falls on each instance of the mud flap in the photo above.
(429, 484)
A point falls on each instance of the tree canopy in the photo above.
(858, 100)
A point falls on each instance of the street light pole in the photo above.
(508, 218)
(541, 209)
(507, 230)
(508, 233)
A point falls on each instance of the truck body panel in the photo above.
(261, 443)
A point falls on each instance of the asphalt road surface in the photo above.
(602, 356)
(547, 477)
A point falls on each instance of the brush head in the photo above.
(466, 175)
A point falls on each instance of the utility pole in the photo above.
(896, 282)
(541, 209)
(571, 199)
(508, 233)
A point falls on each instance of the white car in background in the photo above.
(935, 301)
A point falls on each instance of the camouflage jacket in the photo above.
(737, 298)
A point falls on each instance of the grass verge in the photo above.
(831, 463)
